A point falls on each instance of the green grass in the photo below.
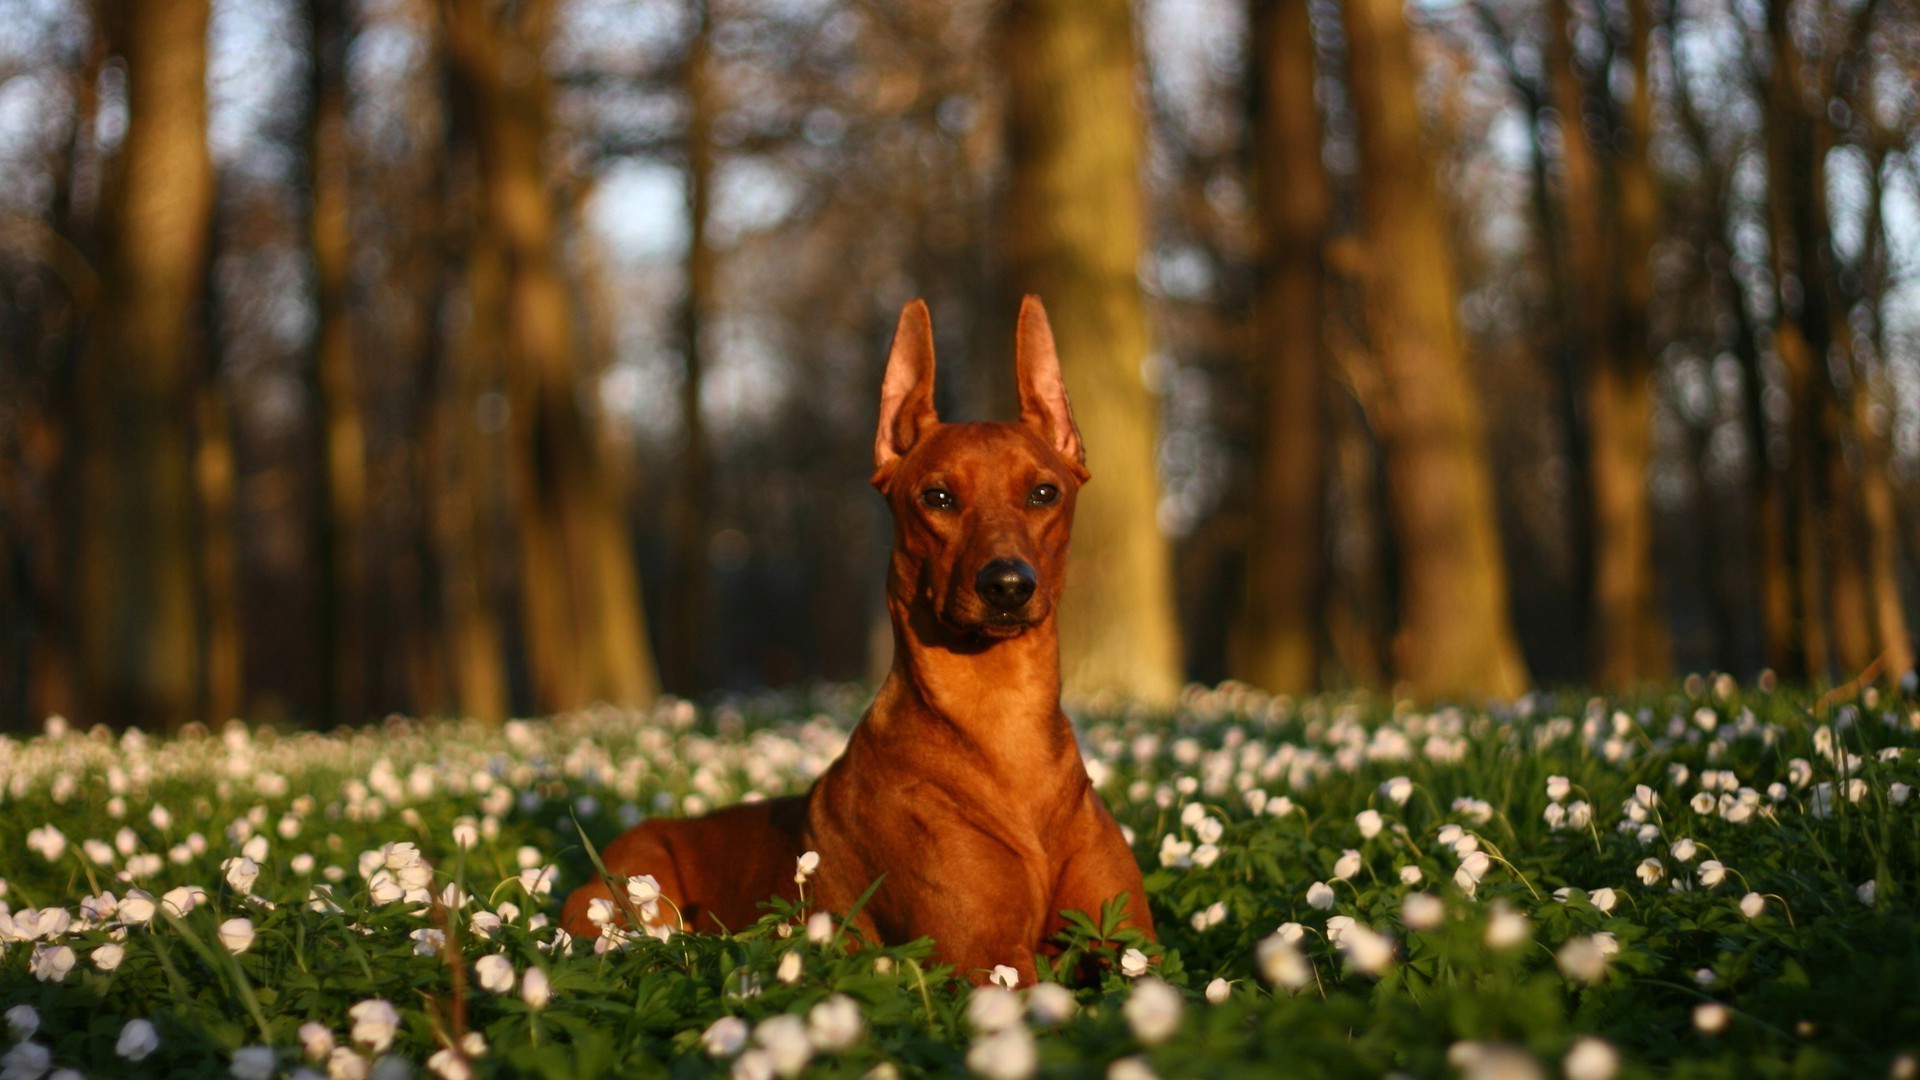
(1802, 960)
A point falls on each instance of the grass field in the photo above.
(1712, 882)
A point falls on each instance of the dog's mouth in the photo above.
(992, 623)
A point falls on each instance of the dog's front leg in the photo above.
(1099, 867)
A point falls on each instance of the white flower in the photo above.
(137, 907)
(1133, 963)
(1711, 1018)
(1218, 991)
(26, 1061)
(51, 963)
(1603, 899)
(538, 880)
(183, 899)
(237, 935)
(1555, 815)
(1558, 788)
(1703, 802)
(1050, 1003)
(1133, 1067)
(22, 1022)
(344, 1064)
(1579, 813)
(495, 973)
(535, 990)
(790, 967)
(1347, 865)
(820, 928)
(1582, 959)
(316, 1040)
(466, 833)
(1175, 852)
(1591, 1059)
(1650, 871)
(241, 873)
(1712, 873)
(1153, 1010)
(1205, 855)
(1282, 964)
(1752, 904)
(1006, 1054)
(374, 1023)
(725, 1037)
(253, 1063)
(1411, 875)
(1367, 950)
(804, 867)
(1337, 925)
(752, 1065)
(1004, 976)
(1507, 928)
(990, 1008)
(137, 1040)
(784, 1038)
(1899, 793)
(107, 957)
(1398, 788)
(1209, 830)
(447, 1064)
(1422, 911)
(835, 1024)
(50, 842)
(1320, 896)
(600, 911)
(1866, 891)
(643, 890)
(1370, 823)
(1683, 849)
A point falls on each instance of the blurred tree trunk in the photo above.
(1801, 337)
(580, 592)
(1771, 560)
(1072, 233)
(1629, 635)
(1455, 635)
(140, 619)
(1870, 416)
(683, 645)
(341, 455)
(461, 461)
(1278, 643)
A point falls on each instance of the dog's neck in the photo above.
(1001, 696)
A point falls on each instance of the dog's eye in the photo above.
(937, 499)
(1043, 495)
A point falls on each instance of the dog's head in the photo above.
(981, 511)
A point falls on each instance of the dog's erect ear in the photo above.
(906, 394)
(1043, 392)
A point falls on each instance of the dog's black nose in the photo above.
(1006, 584)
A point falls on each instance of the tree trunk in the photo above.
(1455, 635)
(684, 644)
(1279, 641)
(1870, 418)
(139, 614)
(1629, 636)
(1801, 339)
(580, 592)
(341, 455)
(1073, 230)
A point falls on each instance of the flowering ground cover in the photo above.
(1716, 881)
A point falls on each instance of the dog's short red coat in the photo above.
(963, 784)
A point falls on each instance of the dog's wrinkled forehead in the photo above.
(988, 453)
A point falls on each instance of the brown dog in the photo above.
(963, 783)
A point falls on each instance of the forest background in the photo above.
(495, 357)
